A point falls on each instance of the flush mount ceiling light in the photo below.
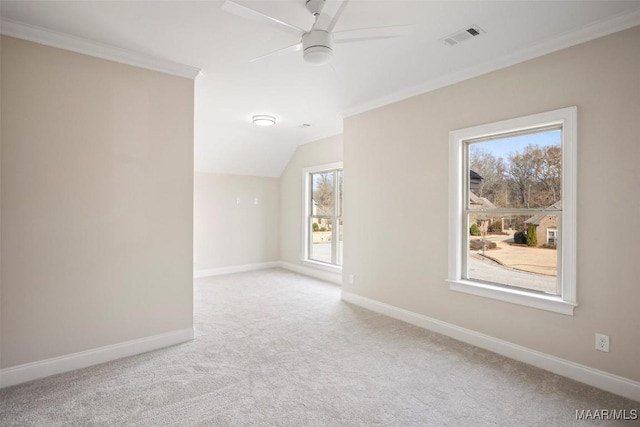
(262, 120)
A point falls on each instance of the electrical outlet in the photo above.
(352, 279)
(602, 342)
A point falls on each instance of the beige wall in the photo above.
(315, 153)
(396, 166)
(97, 202)
(228, 233)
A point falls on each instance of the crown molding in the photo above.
(562, 41)
(88, 47)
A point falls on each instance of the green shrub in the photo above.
(323, 228)
(315, 226)
(474, 230)
(520, 238)
(532, 238)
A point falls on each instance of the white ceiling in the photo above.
(230, 89)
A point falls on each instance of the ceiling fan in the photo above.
(317, 43)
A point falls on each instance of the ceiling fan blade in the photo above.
(261, 18)
(293, 48)
(375, 33)
(330, 14)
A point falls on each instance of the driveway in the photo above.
(534, 260)
(521, 266)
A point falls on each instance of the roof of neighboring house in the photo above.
(536, 219)
(479, 202)
(474, 180)
(474, 175)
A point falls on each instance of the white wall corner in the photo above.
(581, 373)
(57, 365)
(89, 47)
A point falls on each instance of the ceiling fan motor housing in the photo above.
(317, 46)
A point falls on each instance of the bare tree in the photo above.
(323, 192)
(549, 174)
(521, 173)
(493, 171)
(535, 176)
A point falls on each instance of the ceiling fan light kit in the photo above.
(263, 120)
(317, 46)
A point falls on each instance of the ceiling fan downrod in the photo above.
(315, 7)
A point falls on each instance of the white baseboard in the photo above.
(234, 269)
(584, 374)
(327, 276)
(57, 365)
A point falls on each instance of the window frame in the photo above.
(564, 303)
(307, 192)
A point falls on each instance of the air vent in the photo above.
(462, 35)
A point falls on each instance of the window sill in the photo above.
(322, 266)
(542, 302)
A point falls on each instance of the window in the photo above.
(513, 210)
(323, 216)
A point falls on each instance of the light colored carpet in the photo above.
(274, 348)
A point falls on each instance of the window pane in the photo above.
(340, 173)
(340, 250)
(323, 200)
(518, 171)
(320, 240)
(514, 250)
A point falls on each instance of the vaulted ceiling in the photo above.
(310, 101)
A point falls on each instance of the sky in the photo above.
(505, 146)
